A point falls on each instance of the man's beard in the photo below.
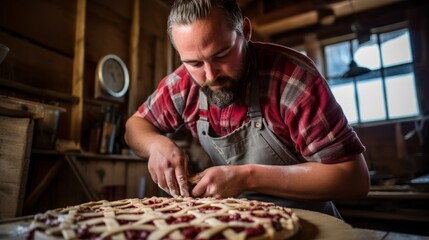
(221, 97)
(225, 96)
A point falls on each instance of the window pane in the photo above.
(395, 48)
(371, 101)
(368, 54)
(345, 96)
(401, 96)
(337, 58)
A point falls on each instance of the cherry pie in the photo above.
(167, 218)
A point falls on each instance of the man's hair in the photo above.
(185, 12)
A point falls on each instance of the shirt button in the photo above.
(204, 132)
(257, 125)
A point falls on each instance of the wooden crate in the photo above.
(15, 144)
(16, 133)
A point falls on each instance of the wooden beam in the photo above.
(244, 3)
(78, 68)
(134, 60)
(287, 12)
(304, 14)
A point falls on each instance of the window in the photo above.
(381, 85)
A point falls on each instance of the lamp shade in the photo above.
(355, 70)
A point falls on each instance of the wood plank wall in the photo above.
(41, 36)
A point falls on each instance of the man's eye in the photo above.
(220, 56)
(195, 64)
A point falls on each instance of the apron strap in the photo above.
(255, 107)
(203, 105)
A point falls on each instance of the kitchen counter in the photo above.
(314, 225)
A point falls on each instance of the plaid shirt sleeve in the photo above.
(320, 129)
(165, 107)
(313, 122)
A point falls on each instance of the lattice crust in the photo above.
(167, 218)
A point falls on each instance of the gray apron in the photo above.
(253, 143)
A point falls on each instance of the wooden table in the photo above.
(314, 225)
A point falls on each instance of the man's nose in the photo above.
(211, 71)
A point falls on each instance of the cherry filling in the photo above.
(235, 217)
(191, 232)
(137, 235)
(275, 220)
(182, 219)
(124, 222)
(209, 209)
(49, 220)
(276, 223)
(153, 202)
(171, 211)
(255, 231)
(160, 206)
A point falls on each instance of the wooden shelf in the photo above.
(89, 156)
(398, 195)
(9, 84)
(399, 216)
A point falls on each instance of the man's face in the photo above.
(213, 54)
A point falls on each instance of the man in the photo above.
(262, 112)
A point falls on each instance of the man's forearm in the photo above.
(140, 134)
(312, 181)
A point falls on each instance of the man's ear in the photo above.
(247, 28)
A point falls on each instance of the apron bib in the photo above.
(253, 143)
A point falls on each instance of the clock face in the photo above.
(113, 75)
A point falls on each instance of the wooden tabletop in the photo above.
(314, 225)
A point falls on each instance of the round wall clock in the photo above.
(112, 76)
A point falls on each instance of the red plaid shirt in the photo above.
(296, 102)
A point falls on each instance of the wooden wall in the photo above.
(41, 38)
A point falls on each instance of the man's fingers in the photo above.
(183, 186)
(172, 183)
(181, 175)
(198, 191)
(199, 188)
(182, 181)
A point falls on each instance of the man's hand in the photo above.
(219, 181)
(167, 162)
(168, 167)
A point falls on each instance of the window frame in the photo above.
(382, 74)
